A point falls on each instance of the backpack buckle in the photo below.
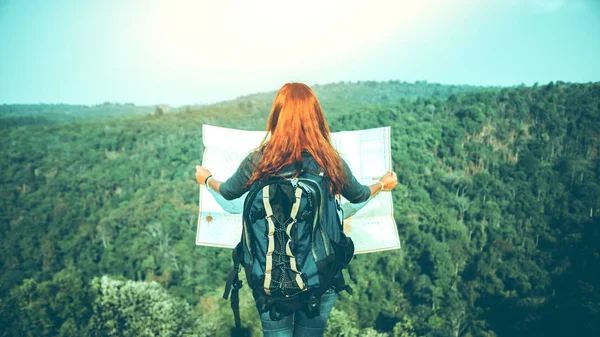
(237, 285)
(313, 306)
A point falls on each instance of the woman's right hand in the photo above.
(201, 174)
(389, 180)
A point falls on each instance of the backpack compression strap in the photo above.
(271, 245)
(288, 251)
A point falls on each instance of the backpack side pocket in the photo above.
(344, 250)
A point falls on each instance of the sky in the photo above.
(197, 52)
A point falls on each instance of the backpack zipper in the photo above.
(307, 182)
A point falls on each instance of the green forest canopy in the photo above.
(497, 208)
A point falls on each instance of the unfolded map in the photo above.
(367, 152)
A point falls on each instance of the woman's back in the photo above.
(297, 145)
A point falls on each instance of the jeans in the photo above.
(298, 325)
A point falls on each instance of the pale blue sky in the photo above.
(185, 52)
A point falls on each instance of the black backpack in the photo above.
(292, 248)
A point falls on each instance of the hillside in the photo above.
(497, 208)
(39, 114)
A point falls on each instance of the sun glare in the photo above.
(274, 35)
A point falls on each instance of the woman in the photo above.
(296, 132)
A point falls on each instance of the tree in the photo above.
(129, 308)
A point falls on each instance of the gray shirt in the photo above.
(236, 185)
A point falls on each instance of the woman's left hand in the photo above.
(201, 174)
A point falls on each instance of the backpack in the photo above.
(292, 246)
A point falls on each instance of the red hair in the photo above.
(297, 124)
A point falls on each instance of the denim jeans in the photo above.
(298, 325)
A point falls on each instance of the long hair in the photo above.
(297, 124)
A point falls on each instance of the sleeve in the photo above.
(351, 209)
(354, 191)
(235, 186)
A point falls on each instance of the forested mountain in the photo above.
(337, 98)
(38, 114)
(497, 208)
